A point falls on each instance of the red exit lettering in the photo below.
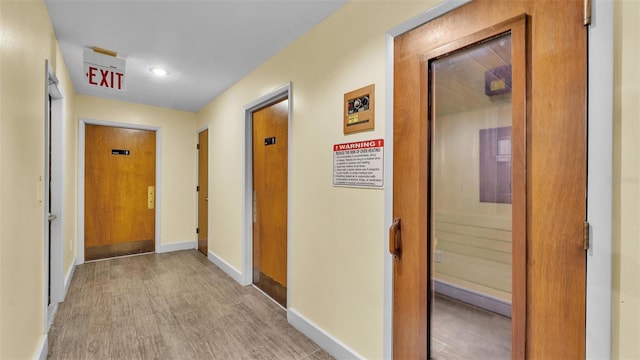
(107, 78)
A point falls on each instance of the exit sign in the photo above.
(104, 71)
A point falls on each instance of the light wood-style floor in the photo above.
(170, 306)
(462, 331)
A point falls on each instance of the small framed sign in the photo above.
(359, 107)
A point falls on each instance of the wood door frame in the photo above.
(600, 150)
(56, 109)
(81, 186)
(198, 131)
(276, 95)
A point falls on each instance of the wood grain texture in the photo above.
(410, 205)
(552, 156)
(116, 186)
(170, 306)
(203, 193)
(556, 293)
(270, 186)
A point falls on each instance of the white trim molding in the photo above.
(184, 245)
(43, 348)
(329, 343)
(229, 269)
(600, 175)
(69, 276)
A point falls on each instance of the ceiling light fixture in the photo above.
(159, 71)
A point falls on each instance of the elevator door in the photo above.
(120, 173)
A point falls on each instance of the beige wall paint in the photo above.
(26, 40)
(337, 237)
(177, 158)
(626, 184)
(70, 171)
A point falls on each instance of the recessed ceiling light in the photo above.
(159, 71)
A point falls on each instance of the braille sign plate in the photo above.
(359, 164)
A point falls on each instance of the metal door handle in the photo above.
(395, 238)
(52, 217)
(206, 199)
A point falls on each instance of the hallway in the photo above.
(170, 306)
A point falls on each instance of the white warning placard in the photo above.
(359, 164)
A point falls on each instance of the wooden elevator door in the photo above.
(119, 201)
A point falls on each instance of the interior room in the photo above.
(335, 296)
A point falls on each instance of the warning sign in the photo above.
(359, 164)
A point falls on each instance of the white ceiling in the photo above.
(206, 45)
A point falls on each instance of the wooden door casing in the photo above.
(270, 169)
(203, 192)
(118, 220)
(555, 191)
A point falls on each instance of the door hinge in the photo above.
(197, 188)
(587, 12)
(197, 146)
(197, 230)
(585, 235)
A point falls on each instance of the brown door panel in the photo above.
(119, 171)
(203, 191)
(270, 154)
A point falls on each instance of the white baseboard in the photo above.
(185, 245)
(471, 297)
(68, 278)
(51, 313)
(330, 344)
(227, 268)
(43, 348)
